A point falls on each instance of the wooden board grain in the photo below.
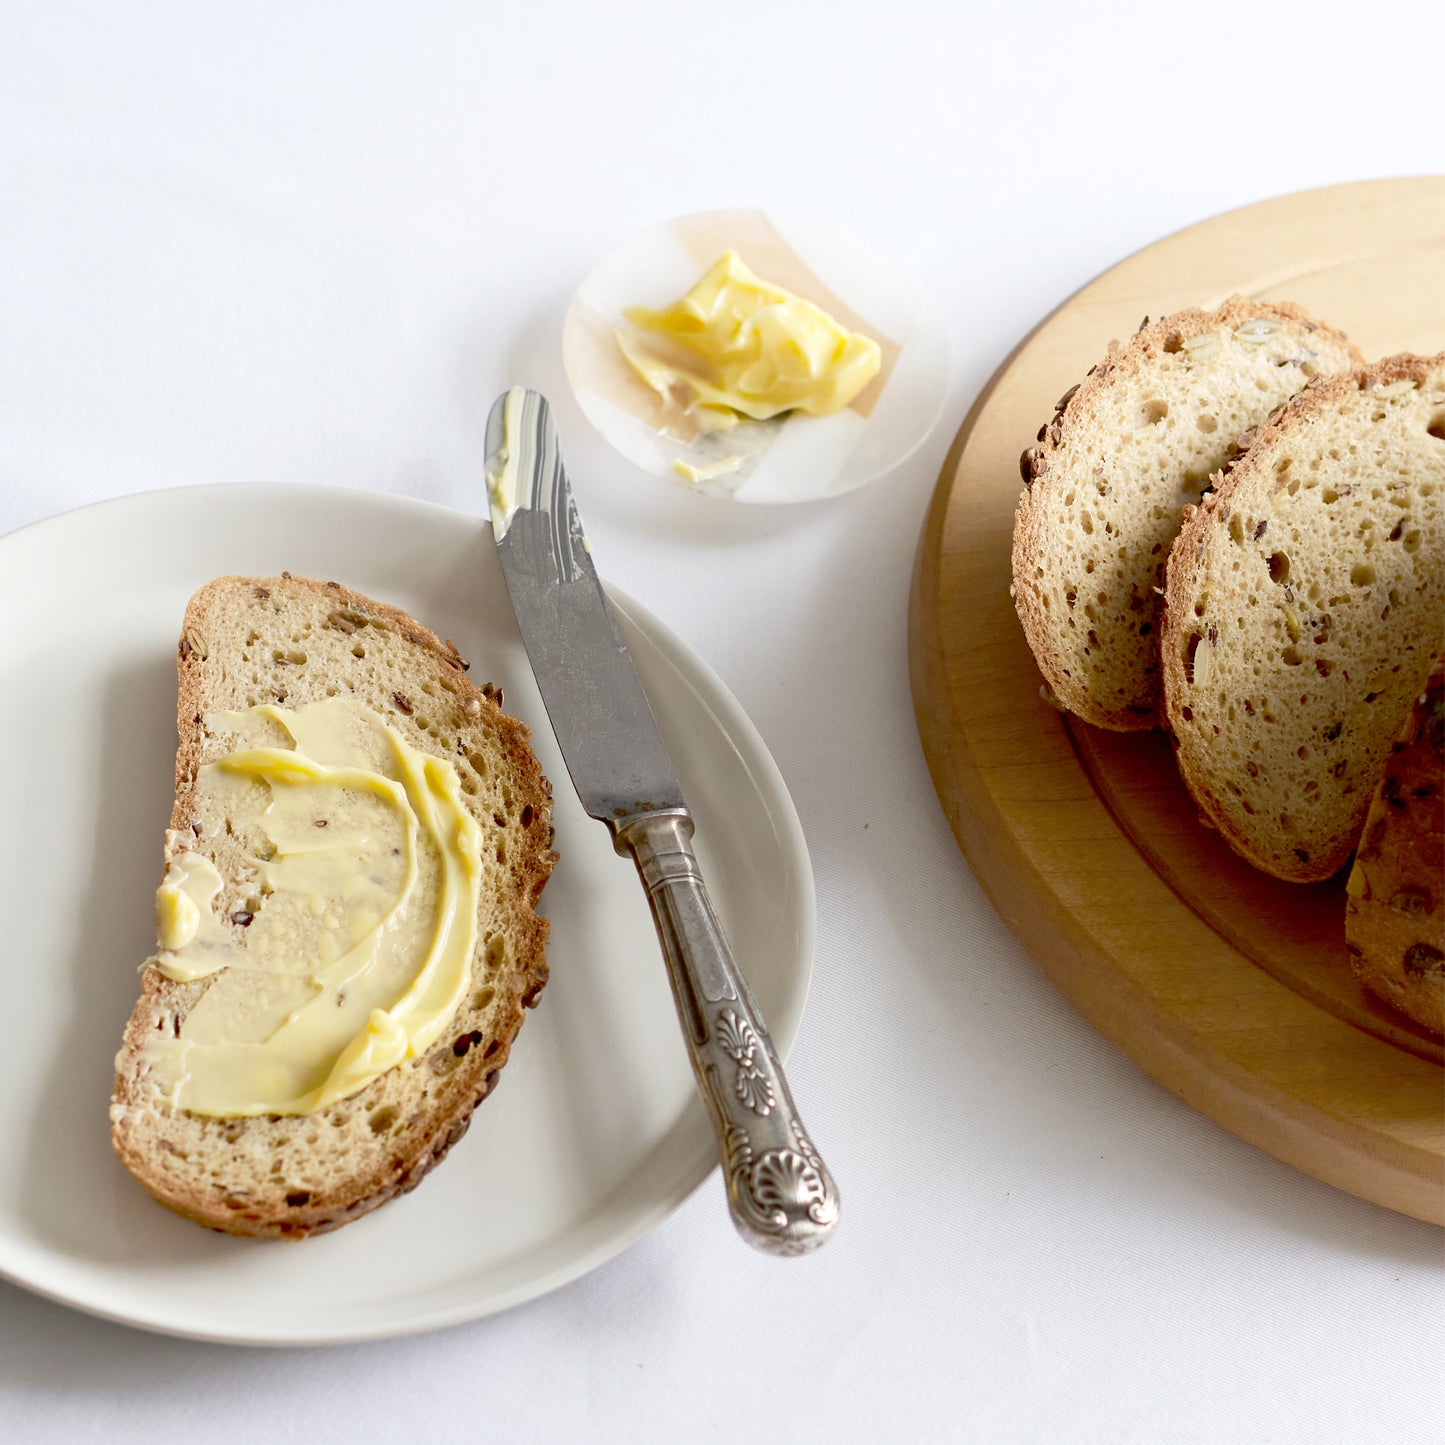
(1231, 988)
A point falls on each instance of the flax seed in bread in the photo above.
(1305, 607)
(1395, 913)
(293, 641)
(1106, 481)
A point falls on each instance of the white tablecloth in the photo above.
(310, 242)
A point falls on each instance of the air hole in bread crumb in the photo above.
(1236, 529)
(1086, 521)
(1291, 658)
(1190, 648)
(496, 954)
(297, 1198)
(1435, 427)
(1154, 411)
(382, 1120)
(358, 651)
(483, 998)
(1279, 567)
(464, 1045)
(1206, 423)
(1361, 574)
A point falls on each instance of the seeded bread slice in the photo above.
(1304, 608)
(1395, 913)
(1104, 486)
(292, 640)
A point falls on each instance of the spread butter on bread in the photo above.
(1106, 481)
(312, 1143)
(1305, 605)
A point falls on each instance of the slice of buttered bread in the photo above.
(291, 641)
(1305, 605)
(1104, 486)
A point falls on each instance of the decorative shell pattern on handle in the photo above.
(740, 1044)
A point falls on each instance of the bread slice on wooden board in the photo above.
(1128, 448)
(1305, 606)
(293, 641)
(1395, 909)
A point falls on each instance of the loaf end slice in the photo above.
(1305, 608)
(1395, 913)
(292, 640)
(1106, 481)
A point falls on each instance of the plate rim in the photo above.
(735, 725)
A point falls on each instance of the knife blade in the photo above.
(782, 1198)
(596, 705)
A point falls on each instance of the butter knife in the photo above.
(782, 1197)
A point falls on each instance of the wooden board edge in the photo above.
(1408, 1180)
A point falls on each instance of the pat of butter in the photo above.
(356, 950)
(737, 344)
(177, 916)
(707, 471)
(502, 469)
(193, 942)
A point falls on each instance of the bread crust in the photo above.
(1075, 417)
(1318, 399)
(470, 1057)
(1395, 909)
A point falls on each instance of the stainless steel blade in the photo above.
(596, 704)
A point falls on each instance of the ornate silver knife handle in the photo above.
(782, 1197)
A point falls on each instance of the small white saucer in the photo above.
(795, 457)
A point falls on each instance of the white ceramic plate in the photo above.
(793, 458)
(595, 1132)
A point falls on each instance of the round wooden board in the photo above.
(1231, 988)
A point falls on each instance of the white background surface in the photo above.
(311, 242)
